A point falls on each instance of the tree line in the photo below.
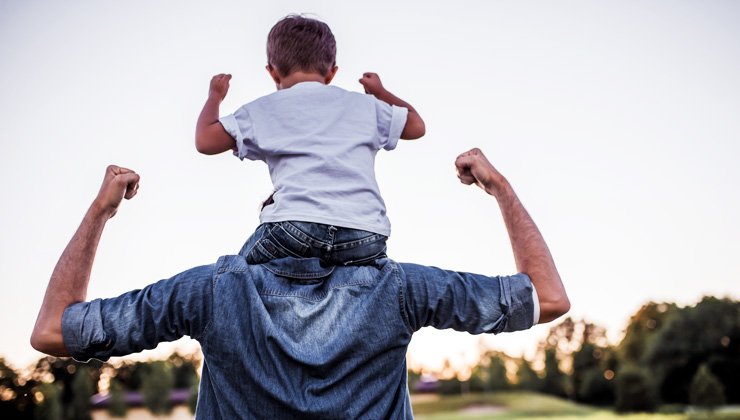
(669, 355)
(61, 388)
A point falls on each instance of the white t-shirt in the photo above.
(319, 143)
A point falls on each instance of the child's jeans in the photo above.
(334, 245)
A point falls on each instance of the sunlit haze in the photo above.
(618, 124)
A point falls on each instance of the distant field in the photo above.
(516, 405)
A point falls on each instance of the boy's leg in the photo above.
(272, 241)
(258, 234)
(333, 245)
(357, 247)
(338, 245)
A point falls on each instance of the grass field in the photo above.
(516, 405)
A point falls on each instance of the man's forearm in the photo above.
(68, 283)
(531, 254)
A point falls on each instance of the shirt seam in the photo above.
(207, 328)
(319, 296)
(401, 299)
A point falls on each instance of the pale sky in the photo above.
(618, 124)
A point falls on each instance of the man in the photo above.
(292, 338)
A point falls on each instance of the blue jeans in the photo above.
(334, 245)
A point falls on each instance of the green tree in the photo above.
(642, 330)
(50, 407)
(130, 374)
(596, 388)
(412, 378)
(193, 398)
(82, 389)
(490, 373)
(526, 378)
(634, 391)
(156, 387)
(117, 405)
(16, 394)
(708, 332)
(593, 371)
(184, 370)
(706, 390)
(63, 371)
(554, 381)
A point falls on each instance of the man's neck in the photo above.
(299, 77)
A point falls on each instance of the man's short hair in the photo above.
(299, 43)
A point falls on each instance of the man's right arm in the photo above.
(531, 253)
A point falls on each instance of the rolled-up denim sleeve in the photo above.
(466, 302)
(140, 319)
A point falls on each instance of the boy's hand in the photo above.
(219, 86)
(372, 84)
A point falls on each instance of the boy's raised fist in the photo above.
(219, 86)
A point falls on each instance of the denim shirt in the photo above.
(293, 339)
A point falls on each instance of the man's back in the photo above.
(322, 344)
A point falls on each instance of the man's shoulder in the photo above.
(230, 263)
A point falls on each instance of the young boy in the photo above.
(319, 143)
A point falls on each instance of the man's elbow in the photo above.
(45, 343)
(47, 338)
(551, 310)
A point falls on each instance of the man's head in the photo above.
(298, 43)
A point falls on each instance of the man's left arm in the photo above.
(70, 278)
(468, 302)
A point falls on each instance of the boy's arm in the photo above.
(414, 127)
(210, 136)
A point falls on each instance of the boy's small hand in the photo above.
(372, 84)
(219, 86)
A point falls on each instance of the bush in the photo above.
(193, 399)
(596, 389)
(635, 392)
(527, 379)
(156, 387)
(83, 387)
(706, 390)
(51, 406)
(117, 406)
(555, 380)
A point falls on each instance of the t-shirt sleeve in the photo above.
(467, 302)
(240, 126)
(391, 120)
(140, 319)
